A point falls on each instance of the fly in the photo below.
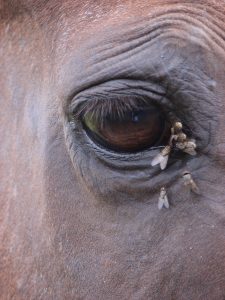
(178, 140)
(162, 158)
(190, 183)
(163, 199)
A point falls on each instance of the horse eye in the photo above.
(132, 131)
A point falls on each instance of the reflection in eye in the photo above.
(132, 130)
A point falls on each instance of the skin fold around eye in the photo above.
(132, 131)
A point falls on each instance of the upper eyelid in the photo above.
(118, 106)
(122, 87)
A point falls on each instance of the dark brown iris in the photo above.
(132, 132)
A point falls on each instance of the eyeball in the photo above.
(132, 131)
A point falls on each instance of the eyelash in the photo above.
(118, 106)
(99, 108)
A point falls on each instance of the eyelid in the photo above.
(117, 107)
(119, 88)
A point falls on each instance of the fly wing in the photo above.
(163, 162)
(190, 147)
(195, 189)
(166, 202)
(190, 151)
(193, 141)
(157, 159)
(160, 203)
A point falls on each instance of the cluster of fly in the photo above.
(99, 109)
(178, 141)
(188, 182)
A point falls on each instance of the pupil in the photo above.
(135, 118)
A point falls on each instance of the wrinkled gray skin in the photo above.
(80, 222)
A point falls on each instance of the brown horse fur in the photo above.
(80, 222)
